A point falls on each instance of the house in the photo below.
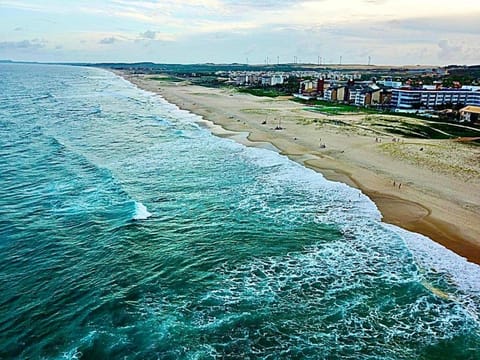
(470, 114)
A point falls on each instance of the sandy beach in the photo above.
(427, 186)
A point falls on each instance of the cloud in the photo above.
(231, 30)
(264, 4)
(378, 2)
(464, 24)
(107, 40)
(151, 35)
(458, 51)
(22, 5)
(23, 44)
(448, 50)
(148, 34)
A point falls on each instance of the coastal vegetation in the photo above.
(441, 157)
(405, 127)
(420, 128)
(267, 92)
(329, 108)
(167, 78)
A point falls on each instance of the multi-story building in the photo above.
(351, 93)
(334, 93)
(368, 96)
(406, 99)
(312, 87)
(256, 78)
(474, 98)
(431, 98)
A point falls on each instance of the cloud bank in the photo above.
(390, 32)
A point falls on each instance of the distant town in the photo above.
(449, 93)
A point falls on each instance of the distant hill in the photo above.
(464, 74)
(209, 68)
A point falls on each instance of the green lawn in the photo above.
(261, 92)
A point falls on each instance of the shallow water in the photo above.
(127, 230)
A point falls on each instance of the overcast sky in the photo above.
(397, 32)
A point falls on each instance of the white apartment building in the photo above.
(426, 98)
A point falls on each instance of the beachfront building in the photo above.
(351, 93)
(470, 114)
(408, 98)
(362, 98)
(368, 96)
(312, 88)
(474, 98)
(306, 86)
(334, 93)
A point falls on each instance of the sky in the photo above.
(388, 32)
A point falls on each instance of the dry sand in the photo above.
(440, 184)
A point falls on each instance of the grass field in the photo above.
(261, 92)
(329, 108)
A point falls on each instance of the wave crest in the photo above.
(141, 212)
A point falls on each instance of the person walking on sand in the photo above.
(399, 185)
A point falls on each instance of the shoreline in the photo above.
(420, 208)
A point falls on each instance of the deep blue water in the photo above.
(129, 231)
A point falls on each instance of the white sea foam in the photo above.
(427, 253)
(141, 212)
(350, 202)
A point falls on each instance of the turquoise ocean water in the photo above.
(127, 230)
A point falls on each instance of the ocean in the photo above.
(129, 231)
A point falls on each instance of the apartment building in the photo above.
(334, 93)
(431, 98)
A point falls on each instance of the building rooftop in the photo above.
(471, 109)
(433, 90)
